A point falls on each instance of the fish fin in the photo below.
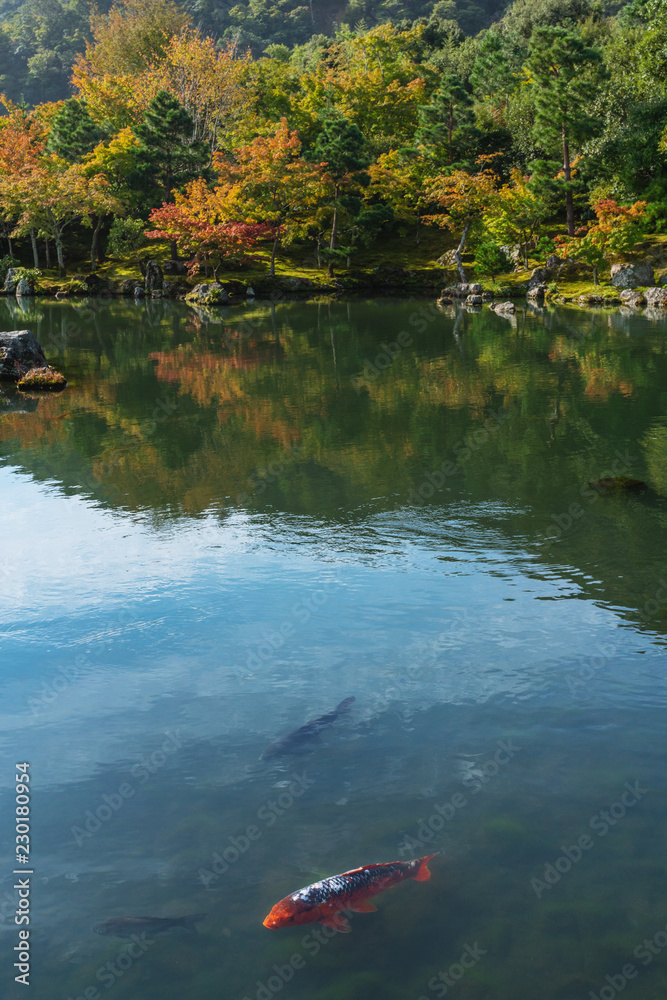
(423, 874)
(344, 706)
(338, 922)
(363, 907)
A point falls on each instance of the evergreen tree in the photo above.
(449, 111)
(566, 76)
(168, 155)
(340, 147)
(73, 132)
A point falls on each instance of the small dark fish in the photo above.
(298, 740)
(323, 901)
(126, 927)
(619, 484)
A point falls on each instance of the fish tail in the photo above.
(191, 920)
(423, 874)
(344, 706)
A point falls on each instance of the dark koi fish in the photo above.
(125, 927)
(298, 740)
(323, 901)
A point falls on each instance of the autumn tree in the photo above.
(398, 178)
(616, 232)
(270, 182)
(196, 223)
(465, 198)
(517, 214)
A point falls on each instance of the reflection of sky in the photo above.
(116, 630)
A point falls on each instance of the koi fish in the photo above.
(323, 901)
(125, 927)
(298, 740)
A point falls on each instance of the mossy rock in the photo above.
(45, 379)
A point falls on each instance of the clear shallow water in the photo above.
(228, 523)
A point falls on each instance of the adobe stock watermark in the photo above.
(112, 802)
(109, 973)
(448, 978)
(601, 823)
(444, 812)
(300, 613)
(644, 952)
(268, 814)
(563, 522)
(312, 943)
(463, 451)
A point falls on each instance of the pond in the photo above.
(232, 520)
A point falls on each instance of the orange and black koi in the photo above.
(323, 901)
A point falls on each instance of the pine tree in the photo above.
(73, 132)
(168, 156)
(566, 75)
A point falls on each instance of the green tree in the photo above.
(566, 76)
(168, 157)
(73, 132)
(491, 259)
(339, 147)
(448, 112)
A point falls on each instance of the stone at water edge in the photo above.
(656, 297)
(210, 294)
(154, 279)
(23, 288)
(21, 354)
(632, 275)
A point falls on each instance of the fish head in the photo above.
(290, 912)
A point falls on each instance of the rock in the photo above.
(552, 264)
(590, 300)
(250, 292)
(127, 286)
(11, 280)
(619, 484)
(474, 300)
(569, 268)
(19, 352)
(462, 290)
(632, 275)
(513, 253)
(23, 288)
(538, 276)
(656, 297)
(631, 297)
(444, 300)
(174, 267)
(537, 291)
(204, 294)
(46, 379)
(153, 279)
(487, 296)
(139, 292)
(448, 259)
(503, 307)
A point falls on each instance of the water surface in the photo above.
(230, 521)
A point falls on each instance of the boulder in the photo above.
(19, 352)
(23, 288)
(153, 279)
(513, 253)
(139, 292)
(250, 292)
(462, 290)
(127, 286)
(656, 297)
(205, 294)
(474, 300)
(590, 300)
(503, 307)
(11, 280)
(536, 291)
(631, 297)
(632, 275)
(444, 300)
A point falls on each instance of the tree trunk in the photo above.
(35, 255)
(595, 276)
(569, 201)
(173, 250)
(451, 130)
(59, 254)
(47, 252)
(312, 14)
(418, 233)
(272, 271)
(333, 243)
(458, 252)
(95, 242)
